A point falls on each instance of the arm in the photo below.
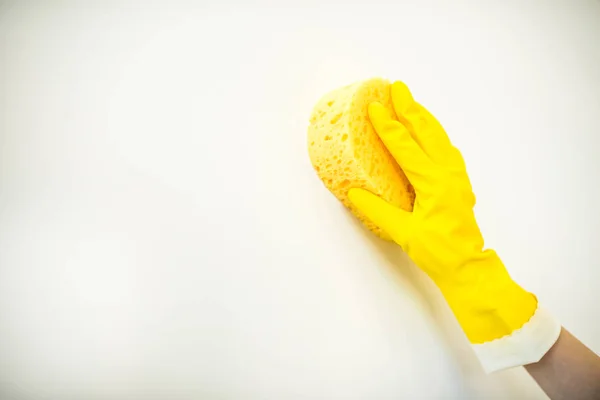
(505, 324)
(568, 371)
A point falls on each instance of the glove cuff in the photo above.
(523, 346)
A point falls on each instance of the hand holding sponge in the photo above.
(439, 233)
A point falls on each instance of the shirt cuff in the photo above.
(524, 346)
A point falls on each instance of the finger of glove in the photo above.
(424, 127)
(396, 138)
(392, 220)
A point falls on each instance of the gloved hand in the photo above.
(501, 320)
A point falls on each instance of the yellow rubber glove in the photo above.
(441, 235)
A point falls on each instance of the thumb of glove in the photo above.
(394, 221)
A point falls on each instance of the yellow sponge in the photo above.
(347, 153)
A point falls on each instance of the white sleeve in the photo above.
(526, 345)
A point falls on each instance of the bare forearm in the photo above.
(568, 371)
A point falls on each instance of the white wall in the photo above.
(162, 233)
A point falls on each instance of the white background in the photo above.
(163, 235)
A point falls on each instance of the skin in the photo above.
(569, 370)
